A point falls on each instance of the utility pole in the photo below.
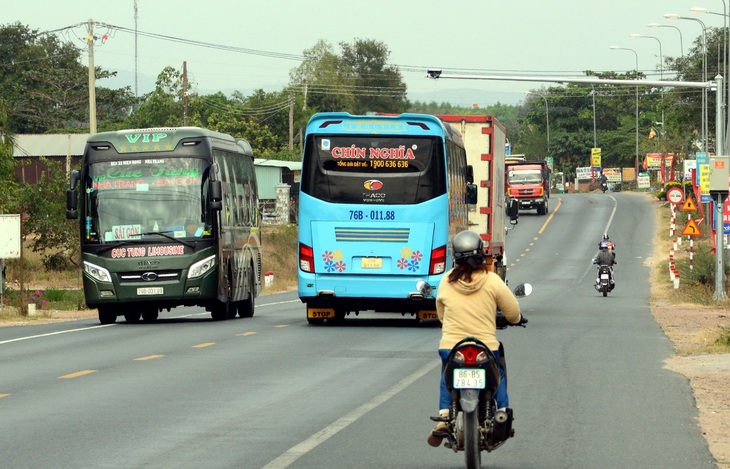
(185, 93)
(291, 121)
(92, 78)
(136, 89)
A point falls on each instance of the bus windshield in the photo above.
(126, 199)
(374, 169)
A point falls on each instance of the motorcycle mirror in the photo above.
(424, 288)
(523, 290)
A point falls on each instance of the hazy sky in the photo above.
(515, 37)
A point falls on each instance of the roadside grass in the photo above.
(696, 277)
(62, 290)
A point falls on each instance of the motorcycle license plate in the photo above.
(604, 276)
(470, 378)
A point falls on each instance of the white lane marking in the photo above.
(295, 452)
(39, 336)
(54, 333)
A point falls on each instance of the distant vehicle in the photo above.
(380, 198)
(528, 183)
(169, 217)
(484, 139)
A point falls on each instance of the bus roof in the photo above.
(164, 139)
(407, 123)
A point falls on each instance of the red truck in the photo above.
(528, 182)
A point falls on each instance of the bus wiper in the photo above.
(166, 235)
(117, 244)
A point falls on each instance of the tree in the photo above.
(324, 80)
(55, 237)
(44, 84)
(378, 87)
(8, 184)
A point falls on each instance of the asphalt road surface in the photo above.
(587, 381)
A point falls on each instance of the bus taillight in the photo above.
(438, 261)
(306, 258)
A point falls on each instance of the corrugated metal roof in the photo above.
(28, 145)
(292, 165)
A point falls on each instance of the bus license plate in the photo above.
(470, 378)
(372, 263)
(150, 291)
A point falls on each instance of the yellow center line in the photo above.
(148, 357)
(4, 395)
(246, 334)
(77, 374)
(282, 325)
(206, 344)
(544, 225)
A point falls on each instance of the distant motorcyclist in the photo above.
(605, 257)
(611, 247)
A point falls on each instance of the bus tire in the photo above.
(107, 315)
(246, 307)
(132, 317)
(150, 315)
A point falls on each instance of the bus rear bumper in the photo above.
(346, 294)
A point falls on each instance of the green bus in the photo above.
(167, 217)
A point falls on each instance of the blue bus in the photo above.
(380, 198)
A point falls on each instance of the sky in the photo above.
(487, 37)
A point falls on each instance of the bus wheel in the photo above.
(150, 315)
(219, 311)
(107, 315)
(132, 317)
(246, 307)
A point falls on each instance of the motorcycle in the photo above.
(604, 187)
(604, 282)
(474, 423)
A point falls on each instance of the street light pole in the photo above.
(681, 45)
(674, 16)
(636, 158)
(726, 55)
(661, 65)
(547, 118)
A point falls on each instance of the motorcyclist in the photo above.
(605, 257)
(604, 182)
(467, 301)
(611, 247)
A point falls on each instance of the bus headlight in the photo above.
(97, 273)
(201, 267)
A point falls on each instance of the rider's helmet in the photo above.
(468, 247)
(605, 236)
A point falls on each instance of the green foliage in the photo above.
(724, 338)
(55, 237)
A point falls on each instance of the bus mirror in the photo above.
(72, 212)
(514, 211)
(471, 194)
(72, 197)
(74, 179)
(216, 195)
(470, 174)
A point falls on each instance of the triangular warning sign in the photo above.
(689, 205)
(691, 229)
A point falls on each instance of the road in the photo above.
(586, 376)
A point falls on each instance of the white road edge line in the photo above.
(295, 452)
(20, 339)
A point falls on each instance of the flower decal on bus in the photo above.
(410, 259)
(333, 261)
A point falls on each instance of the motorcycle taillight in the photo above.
(470, 355)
